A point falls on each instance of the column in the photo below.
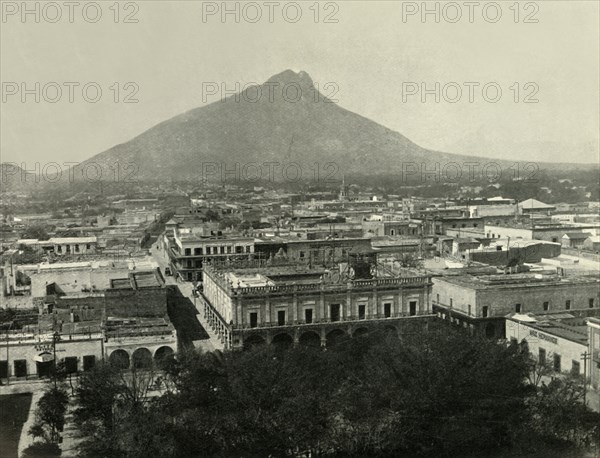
(267, 318)
(295, 308)
(348, 312)
(320, 309)
(375, 308)
(402, 307)
(238, 306)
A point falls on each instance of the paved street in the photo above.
(186, 289)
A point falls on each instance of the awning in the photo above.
(43, 358)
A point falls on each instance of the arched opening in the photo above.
(119, 359)
(335, 337)
(310, 339)
(282, 340)
(163, 354)
(44, 364)
(360, 332)
(253, 341)
(490, 330)
(142, 359)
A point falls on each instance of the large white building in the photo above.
(559, 341)
(312, 306)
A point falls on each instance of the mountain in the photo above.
(285, 121)
(14, 178)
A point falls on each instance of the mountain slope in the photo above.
(263, 125)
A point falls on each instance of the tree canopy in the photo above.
(437, 393)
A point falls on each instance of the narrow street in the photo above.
(186, 288)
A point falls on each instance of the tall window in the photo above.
(568, 304)
(308, 316)
(542, 356)
(591, 302)
(253, 319)
(281, 317)
(188, 251)
(361, 312)
(3, 369)
(20, 367)
(334, 311)
(556, 362)
(71, 364)
(546, 306)
(412, 308)
(518, 308)
(484, 311)
(89, 361)
(387, 310)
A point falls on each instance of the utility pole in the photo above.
(7, 359)
(55, 338)
(585, 355)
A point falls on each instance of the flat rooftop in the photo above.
(511, 281)
(137, 327)
(563, 325)
(247, 280)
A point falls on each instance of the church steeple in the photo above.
(343, 190)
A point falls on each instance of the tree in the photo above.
(409, 260)
(42, 450)
(558, 413)
(28, 256)
(50, 415)
(439, 392)
(35, 232)
(538, 370)
(116, 415)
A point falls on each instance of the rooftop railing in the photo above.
(229, 286)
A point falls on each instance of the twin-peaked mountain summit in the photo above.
(287, 119)
(291, 124)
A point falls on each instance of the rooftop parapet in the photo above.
(220, 277)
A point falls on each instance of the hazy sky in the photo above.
(375, 54)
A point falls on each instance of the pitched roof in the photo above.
(533, 203)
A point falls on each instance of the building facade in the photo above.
(594, 351)
(190, 250)
(559, 344)
(309, 306)
(481, 303)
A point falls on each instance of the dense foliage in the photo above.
(50, 415)
(439, 393)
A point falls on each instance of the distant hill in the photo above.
(234, 136)
(15, 178)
